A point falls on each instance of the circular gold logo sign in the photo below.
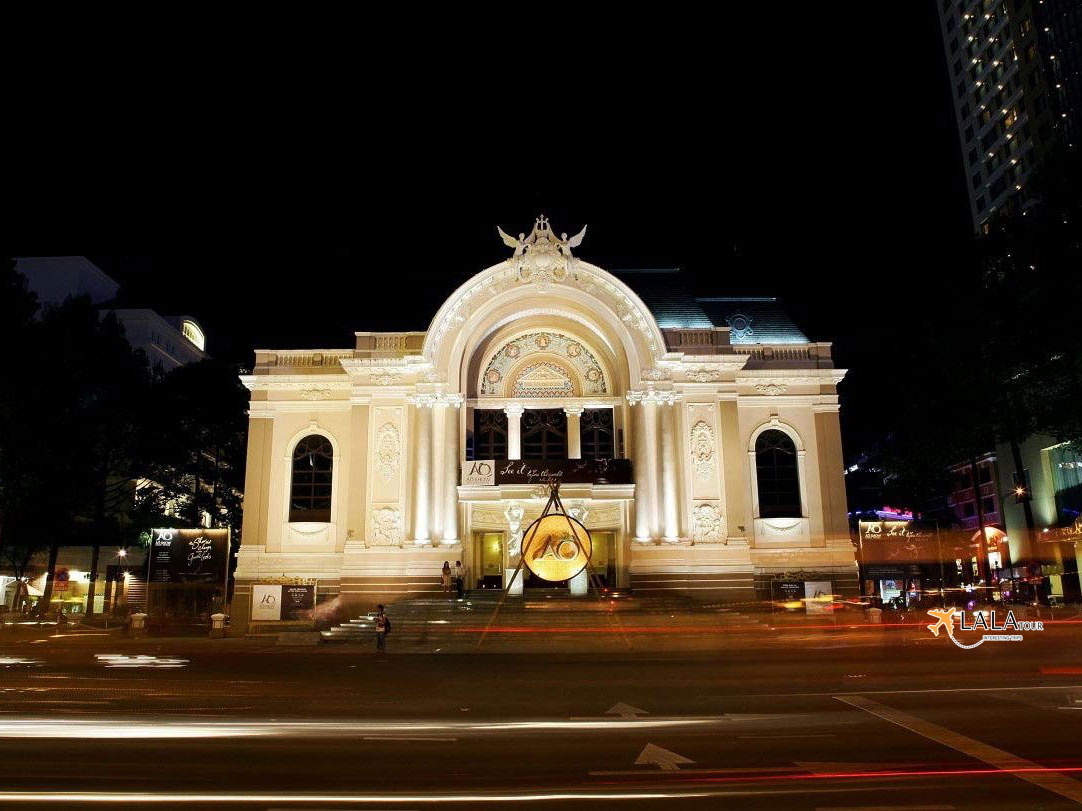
(549, 547)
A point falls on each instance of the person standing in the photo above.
(460, 576)
(445, 577)
(383, 627)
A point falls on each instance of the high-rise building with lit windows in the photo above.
(1016, 73)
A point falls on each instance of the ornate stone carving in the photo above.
(655, 374)
(430, 400)
(572, 368)
(740, 325)
(386, 526)
(771, 389)
(666, 397)
(702, 448)
(314, 394)
(704, 375)
(540, 257)
(388, 450)
(514, 514)
(608, 291)
(706, 523)
(604, 516)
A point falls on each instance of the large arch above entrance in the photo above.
(588, 295)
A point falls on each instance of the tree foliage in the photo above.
(95, 447)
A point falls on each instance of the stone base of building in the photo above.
(353, 582)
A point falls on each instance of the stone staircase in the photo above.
(429, 622)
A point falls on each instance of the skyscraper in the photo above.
(1016, 71)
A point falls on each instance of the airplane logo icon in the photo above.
(944, 619)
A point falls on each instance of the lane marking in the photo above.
(408, 738)
(749, 770)
(835, 693)
(664, 759)
(1020, 767)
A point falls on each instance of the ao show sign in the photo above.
(187, 570)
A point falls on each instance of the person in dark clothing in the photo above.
(383, 627)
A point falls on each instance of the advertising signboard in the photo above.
(486, 472)
(274, 602)
(789, 593)
(266, 603)
(297, 601)
(551, 551)
(817, 596)
(188, 556)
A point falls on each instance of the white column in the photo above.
(422, 456)
(643, 463)
(451, 463)
(653, 473)
(670, 515)
(514, 431)
(574, 438)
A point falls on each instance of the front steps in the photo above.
(429, 622)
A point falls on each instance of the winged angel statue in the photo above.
(541, 256)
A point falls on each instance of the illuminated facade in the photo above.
(697, 439)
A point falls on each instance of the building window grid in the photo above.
(489, 434)
(597, 434)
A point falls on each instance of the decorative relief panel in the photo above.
(385, 450)
(388, 450)
(704, 375)
(386, 526)
(771, 389)
(315, 394)
(604, 517)
(559, 358)
(707, 523)
(702, 449)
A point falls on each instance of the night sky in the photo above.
(802, 156)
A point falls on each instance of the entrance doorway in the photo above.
(490, 545)
(603, 560)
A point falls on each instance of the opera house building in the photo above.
(697, 438)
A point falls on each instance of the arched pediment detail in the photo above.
(587, 292)
(543, 363)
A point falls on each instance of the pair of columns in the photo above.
(435, 467)
(514, 431)
(657, 513)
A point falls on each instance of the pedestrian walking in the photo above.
(445, 577)
(460, 576)
(383, 627)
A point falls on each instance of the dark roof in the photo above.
(663, 291)
(752, 320)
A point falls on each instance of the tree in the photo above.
(195, 445)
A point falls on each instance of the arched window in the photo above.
(778, 475)
(544, 433)
(310, 490)
(489, 434)
(597, 435)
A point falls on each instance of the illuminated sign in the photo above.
(556, 547)
(188, 556)
(488, 472)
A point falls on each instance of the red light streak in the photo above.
(751, 778)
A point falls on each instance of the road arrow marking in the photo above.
(664, 759)
(625, 710)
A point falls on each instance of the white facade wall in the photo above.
(397, 409)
